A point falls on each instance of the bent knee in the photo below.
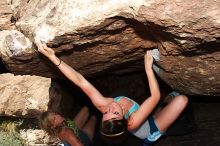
(182, 100)
(85, 109)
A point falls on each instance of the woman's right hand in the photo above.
(148, 60)
(42, 47)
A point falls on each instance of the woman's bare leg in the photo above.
(81, 118)
(89, 127)
(170, 112)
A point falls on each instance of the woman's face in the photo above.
(56, 119)
(113, 111)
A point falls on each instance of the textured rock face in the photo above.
(24, 96)
(100, 37)
(189, 37)
(5, 15)
(37, 137)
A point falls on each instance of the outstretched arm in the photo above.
(150, 103)
(96, 97)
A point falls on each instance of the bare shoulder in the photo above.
(108, 100)
(65, 132)
(68, 135)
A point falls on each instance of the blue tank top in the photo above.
(144, 131)
(134, 107)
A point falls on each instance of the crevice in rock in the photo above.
(203, 49)
(66, 96)
(3, 67)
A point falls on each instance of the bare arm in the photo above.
(96, 97)
(67, 135)
(138, 117)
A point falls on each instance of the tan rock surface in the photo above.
(24, 96)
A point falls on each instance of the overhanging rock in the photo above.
(99, 37)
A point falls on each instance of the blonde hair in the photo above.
(46, 123)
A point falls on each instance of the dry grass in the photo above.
(7, 126)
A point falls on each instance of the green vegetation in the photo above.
(10, 139)
(10, 127)
(9, 135)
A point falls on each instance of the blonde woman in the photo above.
(76, 132)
